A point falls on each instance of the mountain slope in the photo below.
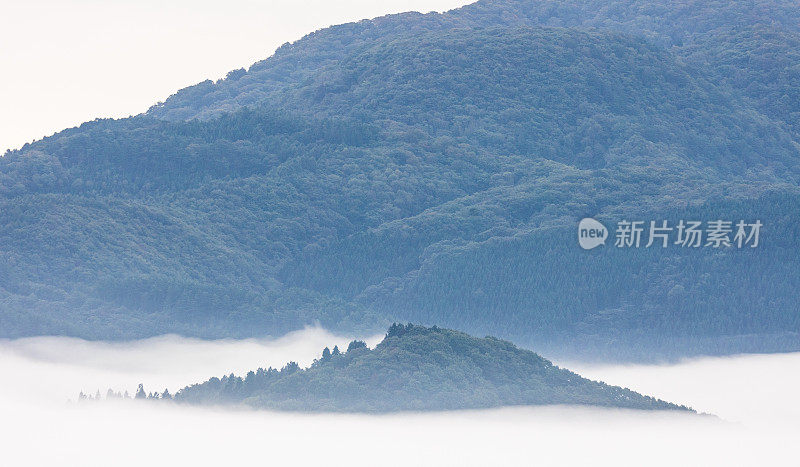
(747, 45)
(420, 167)
(417, 368)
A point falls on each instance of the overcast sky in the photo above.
(63, 62)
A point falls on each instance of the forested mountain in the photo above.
(417, 368)
(748, 45)
(433, 168)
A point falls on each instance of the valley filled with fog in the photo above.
(753, 397)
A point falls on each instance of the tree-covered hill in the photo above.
(748, 45)
(417, 368)
(434, 168)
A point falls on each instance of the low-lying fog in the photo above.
(754, 396)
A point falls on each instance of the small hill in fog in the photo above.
(417, 368)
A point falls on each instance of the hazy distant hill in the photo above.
(433, 168)
(748, 45)
(417, 368)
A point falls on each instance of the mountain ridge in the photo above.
(433, 175)
(694, 20)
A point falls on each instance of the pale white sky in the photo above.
(63, 62)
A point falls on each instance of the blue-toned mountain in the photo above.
(433, 168)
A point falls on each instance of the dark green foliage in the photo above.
(418, 368)
(433, 168)
(356, 345)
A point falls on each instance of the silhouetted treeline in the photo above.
(416, 368)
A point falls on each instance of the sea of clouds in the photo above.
(753, 398)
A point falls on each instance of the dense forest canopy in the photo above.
(416, 368)
(434, 168)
